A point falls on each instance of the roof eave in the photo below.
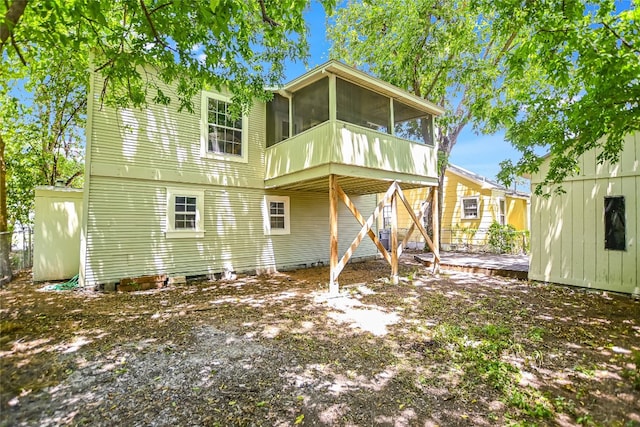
(356, 76)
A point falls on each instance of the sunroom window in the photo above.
(277, 119)
(311, 106)
(362, 107)
(412, 124)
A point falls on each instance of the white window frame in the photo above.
(463, 214)
(502, 214)
(266, 213)
(204, 131)
(386, 216)
(170, 231)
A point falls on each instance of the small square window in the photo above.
(184, 213)
(614, 223)
(470, 208)
(276, 215)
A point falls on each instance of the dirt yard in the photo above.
(453, 350)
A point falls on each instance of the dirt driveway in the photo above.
(458, 349)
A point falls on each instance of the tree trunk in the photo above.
(5, 236)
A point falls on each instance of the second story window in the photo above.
(311, 106)
(224, 134)
(277, 119)
(412, 124)
(362, 107)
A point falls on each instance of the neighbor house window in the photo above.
(386, 216)
(184, 213)
(276, 215)
(223, 134)
(614, 223)
(470, 208)
(502, 209)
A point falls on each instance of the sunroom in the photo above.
(338, 120)
(341, 131)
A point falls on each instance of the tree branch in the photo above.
(156, 35)
(266, 17)
(17, 49)
(619, 37)
(11, 18)
(74, 176)
(157, 8)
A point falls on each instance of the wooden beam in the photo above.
(416, 223)
(354, 211)
(412, 227)
(333, 233)
(436, 230)
(366, 227)
(394, 235)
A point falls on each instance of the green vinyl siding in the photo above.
(126, 232)
(160, 142)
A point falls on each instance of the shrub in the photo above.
(502, 238)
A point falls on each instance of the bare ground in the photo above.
(458, 349)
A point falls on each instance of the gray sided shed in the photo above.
(588, 236)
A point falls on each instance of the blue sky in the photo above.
(478, 153)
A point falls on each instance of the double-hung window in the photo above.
(276, 215)
(502, 212)
(470, 208)
(184, 213)
(224, 136)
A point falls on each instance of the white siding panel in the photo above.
(578, 229)
(590, 217)
(575, 225)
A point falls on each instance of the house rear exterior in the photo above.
(588, 236)
(179, 193)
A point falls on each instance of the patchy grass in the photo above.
(453, 350)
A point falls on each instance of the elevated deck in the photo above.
(366, 160)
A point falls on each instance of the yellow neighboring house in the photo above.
(471, 203)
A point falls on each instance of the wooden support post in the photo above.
(358, 216)
(366, 228)
(436, 231)
(394, 238)
(333, 233)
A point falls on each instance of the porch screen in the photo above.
(361, 106)
(311, 106)
(412, 124)
(277, 119)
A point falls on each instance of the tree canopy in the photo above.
(242, 45)
(48, 47)
(445, 52)
(585, 57)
